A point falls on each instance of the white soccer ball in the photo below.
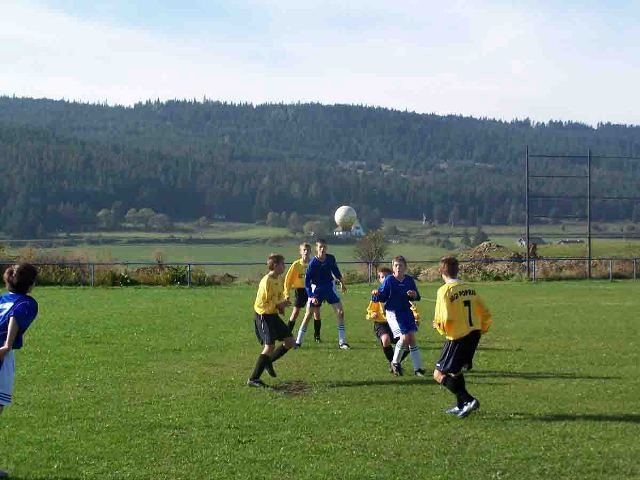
(345, 217)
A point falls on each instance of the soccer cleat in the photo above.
(317, 339)
(453, 410)
(3, 474)
(344, 346)
(269, 368)
(390, 368)
(256, 382)
(396, 369)
(297, 346)
(468, 408)
(421, 372)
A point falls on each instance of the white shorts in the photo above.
(7, 371)
(393, 323)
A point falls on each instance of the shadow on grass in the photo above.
(538, 375)
(293, 388)
(581, 417)
(393, 381)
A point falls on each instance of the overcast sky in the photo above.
(563, 60)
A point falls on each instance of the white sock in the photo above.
(301, 333)
(397, 353)
(342, 336)
(416, 358)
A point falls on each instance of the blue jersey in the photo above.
(23, 308)
(321, 274)
(394, 293)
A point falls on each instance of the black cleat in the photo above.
(396, 369)
(344, 346)
(317, 339)
(256, 382)
(468, 408)
(421, 372)
(453, 410)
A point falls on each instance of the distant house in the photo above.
(356, 231)
(522, 241)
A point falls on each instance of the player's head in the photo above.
(321, 247)
(399, 265)
(275, 263)
(449, 266)
(384, 272)
(20, 278)
(305, 250)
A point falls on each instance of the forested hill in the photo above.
(63, 162)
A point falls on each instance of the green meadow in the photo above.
(148, 383)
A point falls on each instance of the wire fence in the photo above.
(190, 274)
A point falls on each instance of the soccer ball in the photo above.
(345, 217)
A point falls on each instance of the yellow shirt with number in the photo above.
(295, 276)
(269, 295)
(460, 310)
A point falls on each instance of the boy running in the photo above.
(17, 311)
(462, 317)
(397, 291)
(269, 326)
(319, 283)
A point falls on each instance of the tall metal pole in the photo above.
(589, 214)
(526, 201)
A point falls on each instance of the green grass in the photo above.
(148, 383)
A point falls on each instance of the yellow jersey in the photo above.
(269, 295)
(460, 310)
(295, 276)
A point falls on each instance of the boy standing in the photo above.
(17, 311)
(294, 279)
(319, 283)
(269, 326)
(462, 317)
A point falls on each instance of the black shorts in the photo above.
(270, 328)
(380, 328)
(301, 298)
(458, 354)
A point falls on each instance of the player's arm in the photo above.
(12, 332)
(336, 273)
(485, 315)
(384, 291)
(416, 294)
(308, 278)
(441, 315)
(416, 313)
(288, 280)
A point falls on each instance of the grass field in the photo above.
(148, 383)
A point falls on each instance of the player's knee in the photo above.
(268, 349)
(289, 342)
(438, 376)
(386, 341)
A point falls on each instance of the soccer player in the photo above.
(294, 279)
(17, 311)
(375, 312)
(397, 291)
(269, 326)
(462, 317)
(319, 283)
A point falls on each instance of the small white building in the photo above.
(356, 231)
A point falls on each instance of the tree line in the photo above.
(74, 166)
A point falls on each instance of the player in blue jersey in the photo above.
(397, 291)
(17, 311)
(319, 281)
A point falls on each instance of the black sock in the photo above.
(388, 352)
(292, 323)
(464, 395)
(404, 355)
(260, 364)
(280, 351)
(456, 385)
(316, 328)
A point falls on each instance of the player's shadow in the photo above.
(581, 417)
(539, 375)
(293, 388)
(392, 382)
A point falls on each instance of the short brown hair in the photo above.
(385, 270)
(305, 244)
(399, 259)
(321, 241)
(273, 260)
(20, 278)
(449, 266)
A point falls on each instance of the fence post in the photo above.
(92, 269)
(610, 270)
(533, 262)
(189, 275)
(634, 268)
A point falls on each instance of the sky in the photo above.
(544, 60)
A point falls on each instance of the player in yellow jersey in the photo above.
(462, 318)
(269, 326)
(381, 328)
(294, 280)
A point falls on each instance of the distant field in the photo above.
(148, 383)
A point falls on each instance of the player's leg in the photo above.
(302, 331)
(317, 325)
(265, 336)
(414, 351)
(295, 311)
(342, 336)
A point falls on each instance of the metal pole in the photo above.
(92, 268)
(189, 275)
(634, 269)
(526, 200)
(534, 269)
(610, 270)
(589, 214)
